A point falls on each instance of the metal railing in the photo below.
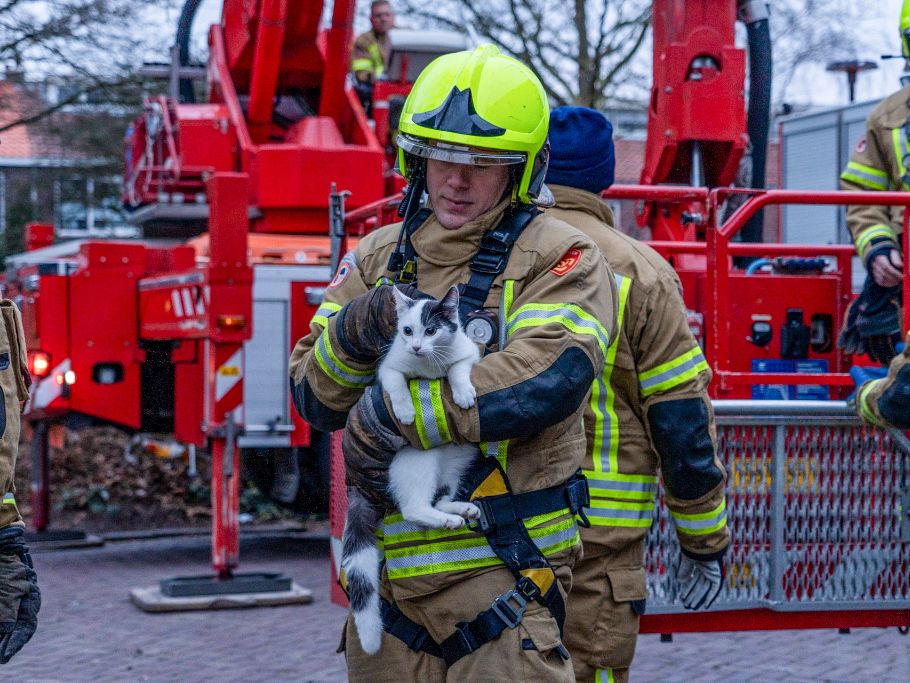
(817, 505)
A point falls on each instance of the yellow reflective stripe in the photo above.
(701, 523)
(623, 486)
(472, 554)
(673, 373)
(604, 676)
(862, 401)
(508, 296)
(378, 66)
(617, 513)
(495, 449)
(875, 232)
(9, 499)
(361, 64)
(322, 314)
(606, 422)
(432, 427)
(336, 369)
(396, 529)
(900, 151)
(866, 176)
(570, 316)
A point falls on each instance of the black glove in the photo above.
(366, 324)
(371, 439)
(873, 324)
(20, 598)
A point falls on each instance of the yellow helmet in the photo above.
(478, 107)
(905, 29)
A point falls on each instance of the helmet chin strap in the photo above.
(410, 205)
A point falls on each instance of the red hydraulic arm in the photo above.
(697, 115)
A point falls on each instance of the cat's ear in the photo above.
(402, 301)
(449, 302)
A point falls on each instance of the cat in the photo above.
(429, 344)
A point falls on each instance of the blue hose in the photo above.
(755, 265)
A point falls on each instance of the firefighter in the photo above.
(884, 399)
(20, 598)
(371, 51)
(648, 409)
(879, 162)
(484, 603)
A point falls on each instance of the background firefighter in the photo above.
(648, 409)
(461, 605)
(20, 598)
(371, 51)
(880, 162)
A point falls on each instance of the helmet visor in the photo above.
(458, 154)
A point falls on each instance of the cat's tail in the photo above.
(360, 562)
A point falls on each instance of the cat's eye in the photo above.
(408, 331)
(430, 331)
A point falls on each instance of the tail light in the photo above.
(39, 363)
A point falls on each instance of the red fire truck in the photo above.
(160, 337)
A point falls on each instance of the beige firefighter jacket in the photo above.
(886, 402)
(14, 382)
(556, 305)
(654, 358)
(370, 56)
(878, 163)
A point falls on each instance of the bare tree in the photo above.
(583, 51)
(805, 32)
(90, 47)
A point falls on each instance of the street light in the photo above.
(851, 67)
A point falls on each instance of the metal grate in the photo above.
(817, 514)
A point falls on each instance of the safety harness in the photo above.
(502, 512)
(500, 522)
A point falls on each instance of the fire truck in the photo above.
(247, 198)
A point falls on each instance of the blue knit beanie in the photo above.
(581, 149)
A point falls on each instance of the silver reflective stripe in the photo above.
(564, 313)
(432, 432)
(632, 486)
(325, 354)
(478, 552)
(9, 499)
(673, 372)
(620, 513)
(696, 524)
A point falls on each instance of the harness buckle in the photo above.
(502, 605)
(528, 589)
(485, 522)
(487, 263)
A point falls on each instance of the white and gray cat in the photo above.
(429, 344)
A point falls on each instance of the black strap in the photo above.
(492, 257)
(501, 517)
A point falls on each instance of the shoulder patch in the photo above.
(860, 145)
(348, 263)
(568, 261)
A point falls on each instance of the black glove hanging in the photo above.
(873, 324)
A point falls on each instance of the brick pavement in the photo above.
(89, 631)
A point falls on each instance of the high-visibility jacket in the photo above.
(654, 358)
(14, 381)
(556, 308)
(878, 163)
(886, 402)
(370, 55)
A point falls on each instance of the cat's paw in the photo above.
(404, 411)
(464, 396)
(463, 509)
(453, 522)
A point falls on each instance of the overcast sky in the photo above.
(812, 83)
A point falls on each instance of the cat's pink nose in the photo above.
(416, 348)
